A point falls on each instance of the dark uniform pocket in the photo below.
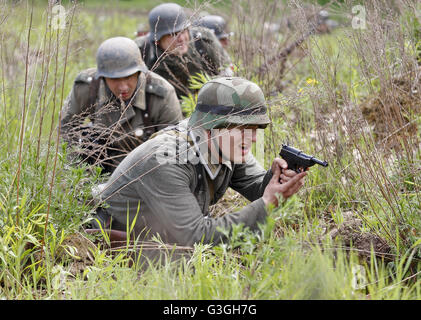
(201, 197)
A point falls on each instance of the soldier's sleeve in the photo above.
(174, 208)
(172, 110)
(250, 179)
(166, 106)
(70, 108)
(75, 105)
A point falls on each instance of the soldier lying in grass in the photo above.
(168, 183)
(124, 102)
(176, 50)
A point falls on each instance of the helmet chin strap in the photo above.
(215, 142)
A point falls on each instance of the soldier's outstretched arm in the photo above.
(251, 180)
(172, 209)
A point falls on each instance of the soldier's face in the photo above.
(123, 88)
(234, 143)
(224, 42)
(177, 43)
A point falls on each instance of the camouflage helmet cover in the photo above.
(119, 57)
(167, 18)
(215, 23)
(229, 101)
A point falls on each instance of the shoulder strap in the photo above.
(149, 129)
(93, 92)
(148, 53)
(174, 130)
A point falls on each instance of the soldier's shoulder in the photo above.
(86, 76)
(142, 40)
(202, 33)
(82, 85)
(157, 85)
(146, 49)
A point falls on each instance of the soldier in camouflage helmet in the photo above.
(169, 182)
(218, 26)
(176, 50)
(122, 102)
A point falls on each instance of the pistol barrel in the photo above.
(320, 162)
(299, 158)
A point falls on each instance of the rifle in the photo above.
(297, 160)
(322, 17)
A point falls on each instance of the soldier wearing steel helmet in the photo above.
(176, 50)
(122, 101)
(169, 182)
(218, 25)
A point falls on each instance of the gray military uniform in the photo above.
(205, 55)
(116, 128)
(171, 199)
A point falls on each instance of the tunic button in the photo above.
(138, 132)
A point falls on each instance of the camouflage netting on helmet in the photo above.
(229, 101)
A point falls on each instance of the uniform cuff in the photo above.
(260, 209)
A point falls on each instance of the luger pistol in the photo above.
(297, 160)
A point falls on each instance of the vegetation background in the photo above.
(350, 96)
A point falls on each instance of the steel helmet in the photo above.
(228, 101)
(215, 23)
(118, 57)
(167, 18)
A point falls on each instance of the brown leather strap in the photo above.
(117, 238)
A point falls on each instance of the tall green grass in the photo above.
(45, 199)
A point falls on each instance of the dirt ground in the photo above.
(349, 235)
(390, 111)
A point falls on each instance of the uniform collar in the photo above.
(200, 142)
(104, 93)
(140, 95)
